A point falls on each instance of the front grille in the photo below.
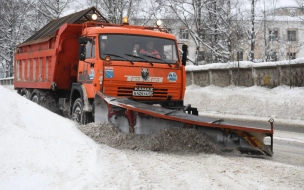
(157, 92)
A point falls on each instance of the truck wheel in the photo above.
(79, 115)
(26, 93)
(36, 97)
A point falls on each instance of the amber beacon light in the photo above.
(125, 20)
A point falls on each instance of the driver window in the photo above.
(90, 48)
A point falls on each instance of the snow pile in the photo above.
(38, 147)
(243, 64)
(281, 103)
(170, 140)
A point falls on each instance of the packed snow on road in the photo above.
(42, 150)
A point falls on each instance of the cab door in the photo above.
(86, 67)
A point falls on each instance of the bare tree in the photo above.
(115, 10)
(153, 9)
(209, 23)
(251, 33)
(270, 32)
(300, 3)
(50, 9)
(12, 29)
(251, 27)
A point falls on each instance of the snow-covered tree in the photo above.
(36, 17)
(251, 23)
(115, 10)
(300, 3)
(210, 24)
(12, 31)
(50, 9)
(251, 33)
(271, 37)
(151, 10)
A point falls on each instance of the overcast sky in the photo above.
(276, 3)
(287, 3)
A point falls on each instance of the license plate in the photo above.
(142, 91)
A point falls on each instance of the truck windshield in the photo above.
(138, 48)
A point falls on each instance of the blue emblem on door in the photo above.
(109, 73)
(91, 75)
(172, 77)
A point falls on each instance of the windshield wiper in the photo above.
(158, 59)
(140, 58)
(120, 57)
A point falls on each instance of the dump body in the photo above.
(49, 63)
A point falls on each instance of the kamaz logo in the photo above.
(140, 79)
(143, 89)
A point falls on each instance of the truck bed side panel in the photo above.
(43, 63)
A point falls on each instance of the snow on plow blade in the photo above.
(140, 118)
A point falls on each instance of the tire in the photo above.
(26, 93)
(79, 115)
(36, 97)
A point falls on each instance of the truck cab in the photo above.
(116, 61)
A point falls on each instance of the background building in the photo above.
(279, 36)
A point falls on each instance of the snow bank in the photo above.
(281, 103)
(243, 64)
(41, 150)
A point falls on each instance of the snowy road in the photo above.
(289, 148)
(154, 170)
(265, 125)
(288, 145)
(41, 150)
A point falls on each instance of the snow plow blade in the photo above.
(140, 118)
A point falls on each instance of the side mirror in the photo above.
(82, 40)
(185, 54)
(81, 53)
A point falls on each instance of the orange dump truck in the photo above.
(131, 76)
